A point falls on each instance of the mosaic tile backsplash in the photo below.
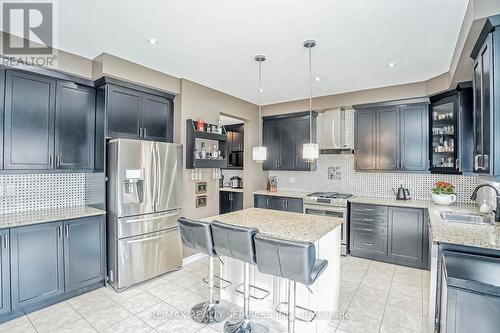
(41, 191)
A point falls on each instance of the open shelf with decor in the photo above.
(206, 145)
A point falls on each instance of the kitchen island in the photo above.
(323, 296)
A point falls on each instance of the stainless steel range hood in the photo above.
(331, 132)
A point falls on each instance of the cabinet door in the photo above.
(364, 139)
(36, 263)
(271, 140)
(260, 201)
(405, 235)
(287, 145)
(29, 121)
(83, 252)
(300, 136)
(4, 272)
(294, 205)
(123, 112)
(414, 135)
(387, 139)
(75, 126)
(236, 201)
(157, 118)
(277, 203)
(224, 202)
(483, 96)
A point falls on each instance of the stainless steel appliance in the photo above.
(236, 182)
(331, 132)
(330, 204)
(144, 201)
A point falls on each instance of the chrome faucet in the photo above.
(497, 210)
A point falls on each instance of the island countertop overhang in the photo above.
(283, 225)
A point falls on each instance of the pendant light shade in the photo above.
(259, 153)
(310, 151)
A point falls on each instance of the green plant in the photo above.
(443, 188)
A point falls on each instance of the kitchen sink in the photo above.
(464, 218)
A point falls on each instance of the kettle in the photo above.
(402, 193)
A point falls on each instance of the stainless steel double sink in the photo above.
(465, 218)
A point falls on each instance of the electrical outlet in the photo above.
(292, 180)
(10, 190)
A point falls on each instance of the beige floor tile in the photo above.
(52, 317)
(184, 300)
(413, 304)
(105, 318)
(159, 314)
(122, 295)
(132, 324)
(89, 303)
(18, 325)
(397, 317)
(162, 289)
(78, 326)
(139, 302)
(183, 325)
(206, 329)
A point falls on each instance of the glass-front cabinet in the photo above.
(444, 131)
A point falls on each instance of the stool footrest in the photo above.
(252, 295)
(310, 313)
(221, 286)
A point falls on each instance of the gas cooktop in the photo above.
(328, 198)
(330, 195)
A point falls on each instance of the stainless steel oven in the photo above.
(331, 211)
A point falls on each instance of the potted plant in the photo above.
(443, 193)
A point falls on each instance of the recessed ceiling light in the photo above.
(152, 41)
(261, 90)
(391, 64)
(317, 79)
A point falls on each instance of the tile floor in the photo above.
(375, 297)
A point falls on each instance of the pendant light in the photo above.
(310, 151)
(259, 153)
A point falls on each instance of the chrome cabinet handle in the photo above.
(366, 219)
(267, 201)
(476, 162)
(140, 132)
(368, 244)
(363, 229)
(58, 160)
(59, 231)
(5, 241)
(50, 160)
(66, 231)
(368, 209)
(144, 132)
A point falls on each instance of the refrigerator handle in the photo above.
(158, 177)
(153, 176)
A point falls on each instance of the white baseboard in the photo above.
(193, 258)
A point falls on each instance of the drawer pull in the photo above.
(365, 219)
(363, 229)
(368, 244)
(368, 209)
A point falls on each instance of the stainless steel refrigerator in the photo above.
(144, 201)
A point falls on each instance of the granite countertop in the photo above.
(231, 189)
(279, 224)
(287, 194)
(468, 234)
(47, 215)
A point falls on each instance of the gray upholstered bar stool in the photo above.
(294, 261)
(197, 235)
(238, 242)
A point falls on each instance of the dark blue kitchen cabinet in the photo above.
(284, 136)
(278, 203)
(136, 112)
(157, 118)
(75, 126)
(83, 252)
(4, 272)
(406, 235)
(365, 139)
(29, 121)
(37, 265)
(414, 136)
(230, 201)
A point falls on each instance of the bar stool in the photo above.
(238, 242)
(294, 261)
(197, 235)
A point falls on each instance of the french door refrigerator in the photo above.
(144, 201)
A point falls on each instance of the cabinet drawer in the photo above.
(368, 209)
(369, 219)
(367, 228)
(371, 244)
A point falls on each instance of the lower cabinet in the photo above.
(4, 272)
(278, 203)
(36, 263)
(393, 234)
(50, 261)
(83, 252)
(230, 201)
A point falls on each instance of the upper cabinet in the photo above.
(391, 137)
(49, 123)
(136, 112)
(486, 85)
(450, 144)
(284, 136)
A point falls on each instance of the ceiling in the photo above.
(214, 42)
